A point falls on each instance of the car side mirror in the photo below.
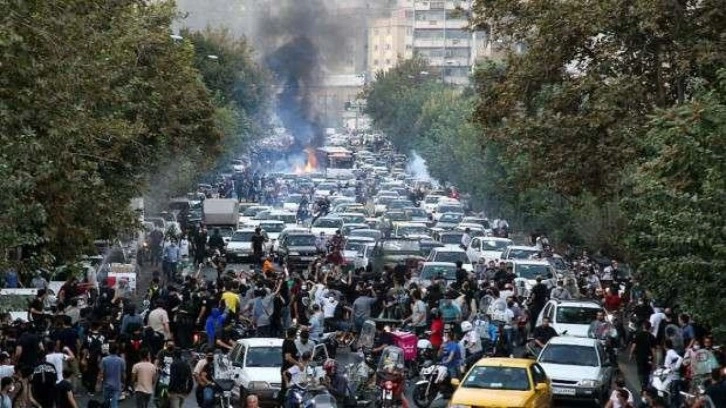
(455, 382)
(541, 387)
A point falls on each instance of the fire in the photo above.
(311, 163)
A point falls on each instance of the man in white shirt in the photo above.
(329, 303)
(466, 238)
(614, 402)
(297, 374)
(158, 320)
(57, 357)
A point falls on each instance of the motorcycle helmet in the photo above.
(466, 327)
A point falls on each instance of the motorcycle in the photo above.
(435, 384)
(390, 377)
(223, 393)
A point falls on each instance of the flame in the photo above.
(311, 164)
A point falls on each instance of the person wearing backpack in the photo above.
(181, 381)
(91, 354)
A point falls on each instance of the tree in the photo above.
(96, 94)
(677, 211)
(574, 104)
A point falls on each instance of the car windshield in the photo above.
(398, 204)
(328, 223)
(263, 357)
(326, 187)
(451, 238)
(242, 236)
(384, 200)
(494, 245)
(226, 232)
(432, 199)
(252, 211)
(576, 315)
(497, 378)
(301, 240)
(400, 246)
(418, 213)
(531, 271)
(522, 253)
(450, 218)
(272, 227)
(413, 230)
(286, 218)
(397, 216)
(355, 246)
(451, 256)
(452, 209)
(429, 272)
(353, 218)
(375, 234)
(295, 198)
(568, 354)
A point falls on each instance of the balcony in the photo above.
(449, 24)
(423, 5)
(449, 62)
(440, 43)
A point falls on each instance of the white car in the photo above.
(527, 271)
(271, 229)
(247, 215)
(292, 202)
(433, 270)
(571, 317)
(355, 249)
(415, 230)
(489, 248)
(579, 369)
(520, 252)
(240, 245)
(451, 254)
(287, 217)
(430, 202)
(327, 225)
(254, 364)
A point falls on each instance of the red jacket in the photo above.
(437, 332)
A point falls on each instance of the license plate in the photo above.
(307, 258)
(563, 391)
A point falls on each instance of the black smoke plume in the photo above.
(296, 68)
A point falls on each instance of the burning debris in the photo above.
(311, 163)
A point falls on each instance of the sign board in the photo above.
(114, 277)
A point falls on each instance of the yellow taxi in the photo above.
(503, 383)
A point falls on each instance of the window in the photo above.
(568, 354)
(437, 4)
(475, 243)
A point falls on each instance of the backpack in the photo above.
(95, 343)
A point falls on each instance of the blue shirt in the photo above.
(11, 279)
(449, 348)
(316, 326)
(171, 253)
(113, 368)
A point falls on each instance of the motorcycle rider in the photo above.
(204, 376)
(471, 343)
(337, 383)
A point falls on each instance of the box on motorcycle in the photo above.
(407, 342)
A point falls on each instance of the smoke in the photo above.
(300, 41)
(417, 167)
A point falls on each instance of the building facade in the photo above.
(390, 39)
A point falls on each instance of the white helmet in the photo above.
(466, 327)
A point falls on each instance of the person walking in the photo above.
(112, 376)
(143, 376)
(181, 381)
(171, 260)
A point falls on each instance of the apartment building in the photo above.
(389, 40)
(441, 36)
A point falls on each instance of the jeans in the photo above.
(142, 399)
(208, 397)
(176, 400)
(111, 395)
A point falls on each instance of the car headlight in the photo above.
(258, 385)
(589, 383)
(294, 254)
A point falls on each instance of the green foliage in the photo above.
(677, 211)
(96, 97)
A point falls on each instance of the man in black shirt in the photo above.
(543, 333)
(539, 295)
(258, 243)
(27, 350)
(289, 358)
(42, 384)
(643, 348)
(37, 306)
(717, 390)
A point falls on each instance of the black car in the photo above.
(298, 249)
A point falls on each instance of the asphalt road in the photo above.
(344, 356)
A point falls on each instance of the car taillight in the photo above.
(388, 385)
(196, 338)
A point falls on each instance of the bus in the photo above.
(337, 161)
